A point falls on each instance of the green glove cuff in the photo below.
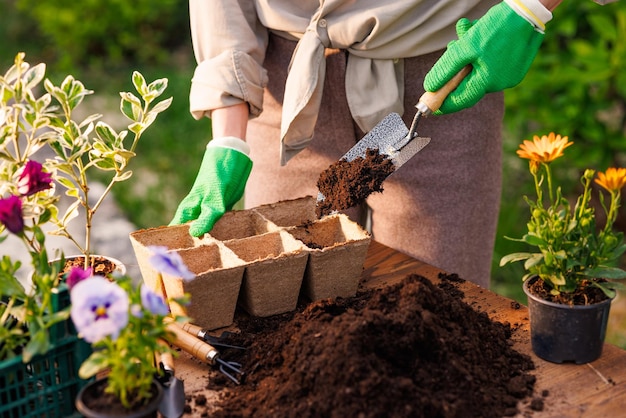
(220, 184)
(500, 46)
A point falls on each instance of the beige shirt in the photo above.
(230, 38)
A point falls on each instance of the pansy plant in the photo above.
(572, 250)
(124, 323)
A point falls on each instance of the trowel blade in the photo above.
(389, 137)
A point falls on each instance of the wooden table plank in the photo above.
(594, 390)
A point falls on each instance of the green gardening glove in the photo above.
(220, 184)
(500, 46)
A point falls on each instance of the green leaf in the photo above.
(39, 344)
(131, 107)
(534, 240)
(10, 285)
(34, 76)
(604, 272)
(137, 128)
(163, 105)
(140, 83)
(70, 213)
(533, 261)
(106, 133)
(96, 362)
(157, 87)
(124, 176)
(67, 183)
(511, 258)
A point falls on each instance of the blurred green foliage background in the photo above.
(576, 87)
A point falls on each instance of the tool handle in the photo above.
(432, 101)
(166, 358)
(193, 329)
(197, 348)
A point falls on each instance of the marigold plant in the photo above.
(571, 249)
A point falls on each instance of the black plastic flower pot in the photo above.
(566, 334)
(95, 390)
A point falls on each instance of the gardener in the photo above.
(291, 86)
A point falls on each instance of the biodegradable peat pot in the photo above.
(92, 402)
(238, 224)
(215, 289)
(289, 213)
(566, 333)
(338, 248)
(275, 264)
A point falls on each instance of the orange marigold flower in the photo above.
(613, 179)
(545, 149)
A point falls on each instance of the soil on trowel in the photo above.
(348, 183)
(410, 350)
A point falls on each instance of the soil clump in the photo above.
(411, 350)
(345, 184)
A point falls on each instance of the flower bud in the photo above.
(11, 214)
(589, 173)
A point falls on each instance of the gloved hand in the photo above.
(220, 184)
(500, 46)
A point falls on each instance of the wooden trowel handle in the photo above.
(165, 358)
(192, 329)
(197, 348)
(433, 100)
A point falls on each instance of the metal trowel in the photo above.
(173, 402)
(392, 138)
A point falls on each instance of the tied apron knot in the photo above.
(303, 93)
(305, 84)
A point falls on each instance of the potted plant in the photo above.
(38, 348)
(569, 279)
(81, 146)
(34, 306)
(126, 325)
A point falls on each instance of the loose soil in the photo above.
(100, 265)
(410, 350)
(348, 183)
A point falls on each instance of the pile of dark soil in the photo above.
(348, 183)
(410, 350)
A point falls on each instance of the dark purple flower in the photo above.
(33, 179)
(77, 274)
(11, 214)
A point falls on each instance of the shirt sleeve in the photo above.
(229, 44)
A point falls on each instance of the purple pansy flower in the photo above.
(169, 262)
(99, 308)
(76, 275)
(153, 302)
(11, 214)
(33, 179)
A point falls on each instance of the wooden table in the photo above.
(597, 389)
